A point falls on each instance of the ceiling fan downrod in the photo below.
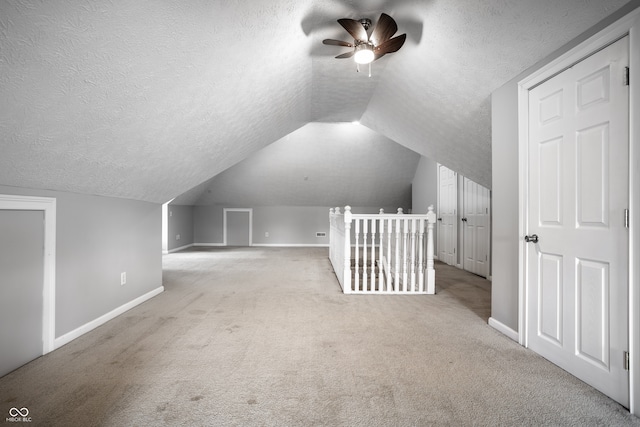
(366, 23)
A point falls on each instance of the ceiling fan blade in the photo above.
(385, 28)
(389, 46)
(354, 28)
(337, 43)
(346, 55)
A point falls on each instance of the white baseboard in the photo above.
(502, 328)
(180, 248)
(87, 327)
(271, 245)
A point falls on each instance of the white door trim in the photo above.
(628, 25)
(224, 223)
(48, 206)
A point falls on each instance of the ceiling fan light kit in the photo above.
(368, 48)
(363, 53)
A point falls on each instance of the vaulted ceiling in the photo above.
(315, 166)
(151, 100)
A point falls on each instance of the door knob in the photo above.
(531, 239)
(464, 219)
(439, 219)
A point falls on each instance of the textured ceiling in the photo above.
(148, 100)
(320, 164)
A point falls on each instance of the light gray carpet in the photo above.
(264, 337)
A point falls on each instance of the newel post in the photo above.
(347, 249)
(332, 237)
(431, 272)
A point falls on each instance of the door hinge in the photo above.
(626, 76)
(625, 360)
(626, 218)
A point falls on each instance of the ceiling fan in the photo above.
(367, 48)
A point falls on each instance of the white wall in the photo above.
(290, 225)
(504, 235)
(424, 187)
(207, 225)
(179, 223)
(286, 225)
(97, 238)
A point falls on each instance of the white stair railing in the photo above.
(390, 253)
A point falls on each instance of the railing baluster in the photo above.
(380, 255)
(413, 254)
(405, 261)
(356, 284)
(390, 286)
(421, 257)
(372, 277)
(365, 229)
(397, 257)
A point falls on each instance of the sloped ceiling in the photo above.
(314, 166)
(148, 100)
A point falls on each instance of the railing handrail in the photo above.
(391, 216)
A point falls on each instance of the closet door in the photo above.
(447, 215)
(475, 228)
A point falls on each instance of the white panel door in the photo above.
(475, 225)
(447, 218)
(577, 272)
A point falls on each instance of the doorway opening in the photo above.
(47, 206)
(238, 227)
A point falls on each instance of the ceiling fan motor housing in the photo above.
(366, 23)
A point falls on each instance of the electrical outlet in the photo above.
(177, 237)
(266, 234)
(123, 278)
